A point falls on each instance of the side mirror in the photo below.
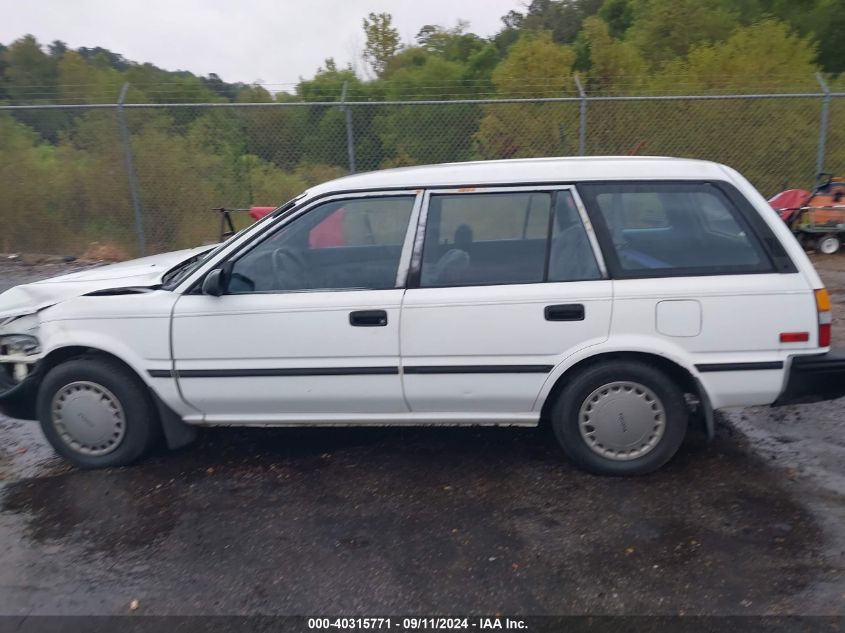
(215, 283)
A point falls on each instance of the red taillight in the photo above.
(794, 337)
(823, 309)
(824, 334)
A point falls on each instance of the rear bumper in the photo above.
(814, 378)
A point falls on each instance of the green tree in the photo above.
(534, 66)
(30, 73)
(79, 82)
(797, 13)
(227, 91)
(324, 128)
(427, 133)
(512, 22)
(57, 49)
(611, 64)
(382, 41)
(3, 65)
(454, 44)
(770, 141)
(563, 18)
(829, 18)
(618, 14)
(29, 76)
(31, 218)
(755, 58)
(667, 29)
(91, 179)
(66, 167)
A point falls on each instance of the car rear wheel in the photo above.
(96, 413)
(620, 418)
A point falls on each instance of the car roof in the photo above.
(528, 171)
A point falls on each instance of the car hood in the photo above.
(143, 272)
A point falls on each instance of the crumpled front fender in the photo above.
(22, 300)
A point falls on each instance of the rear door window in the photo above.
(660, 229)
(505, 237)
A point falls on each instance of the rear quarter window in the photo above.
(670, 229)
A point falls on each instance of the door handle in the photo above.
(565, 312)
(368, 318)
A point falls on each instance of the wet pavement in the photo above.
(381, 521)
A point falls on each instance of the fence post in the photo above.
(582, 128)
(130, 170)
(350, 137)
(823, 125)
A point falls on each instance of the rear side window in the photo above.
(664, 229)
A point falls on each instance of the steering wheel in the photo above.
(290, 269)
(249, 283)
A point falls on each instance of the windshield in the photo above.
(178, 274)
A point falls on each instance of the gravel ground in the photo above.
(379, 521)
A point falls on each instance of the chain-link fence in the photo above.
(143, 178)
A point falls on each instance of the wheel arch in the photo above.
(680, 375)
(177, 433)
(66, 353)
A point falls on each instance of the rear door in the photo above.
(694, 264)
(504, 284)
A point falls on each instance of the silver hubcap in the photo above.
(829, 245)
(89, 418)
(622, 420)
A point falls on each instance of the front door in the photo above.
(505, 285)
(308, 330)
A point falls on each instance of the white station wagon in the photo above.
(619, 300)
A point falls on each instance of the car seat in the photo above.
(571, 256)
(453, 265)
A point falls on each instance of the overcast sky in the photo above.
(272, 41)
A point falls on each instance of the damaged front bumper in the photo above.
(17, 400)
(20, 356)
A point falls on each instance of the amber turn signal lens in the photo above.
(822, 300)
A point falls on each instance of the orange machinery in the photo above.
(817, 218)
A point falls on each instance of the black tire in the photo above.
(141, 429)
(807, 241)
(566, 409)
(828, 244)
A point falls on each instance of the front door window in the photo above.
(352, 244)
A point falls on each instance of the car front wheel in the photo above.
(620, 418)
(96, 413)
